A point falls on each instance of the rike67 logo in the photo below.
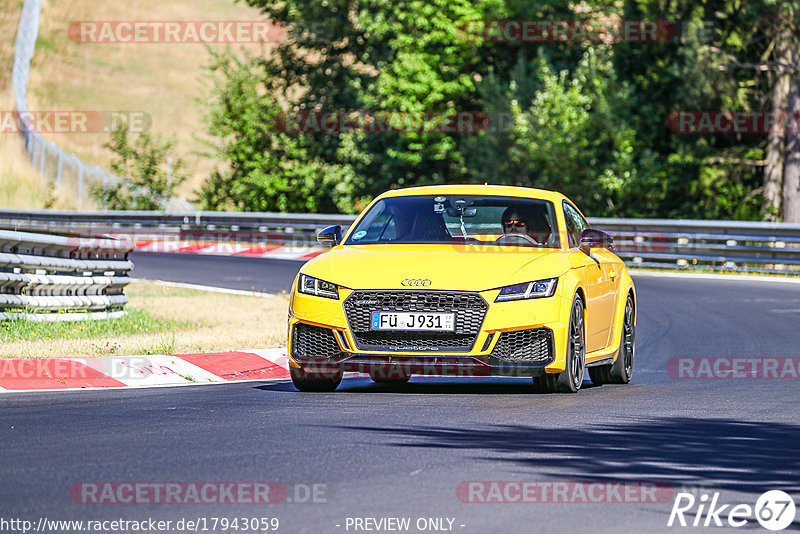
(774, 510)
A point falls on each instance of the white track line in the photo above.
(706, 276)
(147, 386)
(209, 288)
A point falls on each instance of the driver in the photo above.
(529, 223)
(515, 221)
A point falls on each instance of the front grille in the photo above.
(415, 341)
(469, 309)
(525, 346)
(313, 341)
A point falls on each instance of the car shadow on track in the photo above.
(716, 454)
(433, 386)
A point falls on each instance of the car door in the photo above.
(600, 283)
(612, 271)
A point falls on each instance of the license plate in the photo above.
(413, 321)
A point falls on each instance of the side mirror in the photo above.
(330, 236)
(591, 238)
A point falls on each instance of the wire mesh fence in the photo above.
(55, 165)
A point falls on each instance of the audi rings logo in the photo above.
(416, 282)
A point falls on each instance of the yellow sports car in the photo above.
(464, 280)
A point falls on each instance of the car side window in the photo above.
(576, 224)
(382, 228)
(380, 225)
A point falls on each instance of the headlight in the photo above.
(528, 290)
(320, 288)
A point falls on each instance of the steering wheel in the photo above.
(522, 237)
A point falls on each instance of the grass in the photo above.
(9, 20)
(165, 80)
(160, 320)
(133, 323)
(21, 186)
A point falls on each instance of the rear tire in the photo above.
(311, 381)
(571, 378)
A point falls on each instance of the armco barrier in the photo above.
(654, 243)
(57, 278)
(717, 245)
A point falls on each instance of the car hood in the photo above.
(457, 267)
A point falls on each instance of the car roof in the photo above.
(476, 189)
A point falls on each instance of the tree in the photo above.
(266, 169)
(147, 181)
(566, 131)
(586, 118)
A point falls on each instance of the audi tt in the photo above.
(464, 280)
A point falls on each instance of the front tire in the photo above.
(311, 381)
(571, 378)
(622, 368)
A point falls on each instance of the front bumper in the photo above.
(518, 338)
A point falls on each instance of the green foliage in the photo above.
(570, 135)
(586, 119)
(148, 182)
(266, 169)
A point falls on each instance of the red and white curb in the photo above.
(142, 371)
(172, 246)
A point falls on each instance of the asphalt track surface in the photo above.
(384, 451)
(238, 272)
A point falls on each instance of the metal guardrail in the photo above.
(50, 278)
(280, 228)
(656, 243)
(716, 245)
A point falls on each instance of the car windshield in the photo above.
(454, 219)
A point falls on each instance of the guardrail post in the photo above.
(42, 156)
(60, 168)
(79, 168)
